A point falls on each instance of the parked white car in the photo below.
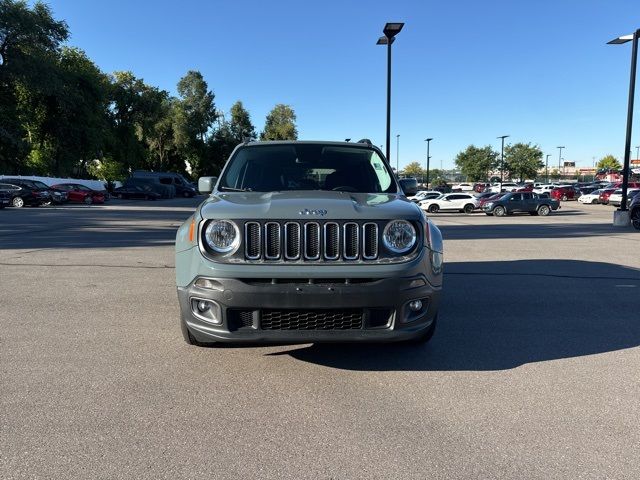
(544, 188)
(506, 187)
(593, 197)
(460, 202)
(464, 187)
(424, 195)
(615, 198)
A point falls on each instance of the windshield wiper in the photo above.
(231, 189)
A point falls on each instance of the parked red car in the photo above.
(605, 194)
(80, 194)
(490, 198)
(563, 193)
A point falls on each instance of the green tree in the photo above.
(280, 124)
(240, 125)
(30, 39)
(608, 162)
(476, 163)
(523, 160)
(439, 182)
(414, 170)
(106, 169)
(198, 104)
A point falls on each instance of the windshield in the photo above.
(269, 168)
(39, 184)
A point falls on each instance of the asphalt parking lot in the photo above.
(533, 371)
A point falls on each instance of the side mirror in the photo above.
(206, 184)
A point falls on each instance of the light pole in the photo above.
(546, 168)
(398, 153)
(502, 160)
(559, 158)
(428, 140)
(390, 30)
(624, 218)
(638, 152)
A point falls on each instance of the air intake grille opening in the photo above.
(331, 241)
(316, 319)
(252, 240)
(351, 240)
(292, 241)
(312, 241)
(272, 240)
(370, 241)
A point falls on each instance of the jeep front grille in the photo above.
(310, 241)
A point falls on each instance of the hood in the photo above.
(319, 205)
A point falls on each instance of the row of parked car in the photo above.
(498, 204)
(19, 192)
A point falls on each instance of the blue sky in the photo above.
(464, 72)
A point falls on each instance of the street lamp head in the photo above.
(390, 30)
(621, 40)
(560, 147)
(384, 41)
(504, 136)
(428, 139)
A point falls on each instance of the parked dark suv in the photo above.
(26, 192)
(520, 202)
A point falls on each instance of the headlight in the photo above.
(399, 236)
(222, 236)
(488, 204)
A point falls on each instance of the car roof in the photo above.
(309, 142)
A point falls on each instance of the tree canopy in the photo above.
(61, 115)
(414, 170)
(280, 124)
(476, 163)
(608, 162)
(522, 161)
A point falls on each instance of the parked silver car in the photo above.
(307, 242)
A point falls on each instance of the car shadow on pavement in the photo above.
(520, 230)
(90, 227)
(501, 315)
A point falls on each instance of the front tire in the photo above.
(564, 198)
(468, 208)
(190, 339)
(426, 335)
(499, 211)
(544, 210)
(17, 202)
(88, 200)
(635, 218)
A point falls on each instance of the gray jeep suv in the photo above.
(307, 242)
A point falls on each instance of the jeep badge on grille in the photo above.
(306, 211)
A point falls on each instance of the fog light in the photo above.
(415, 305)
(203, 306)
(206, 310)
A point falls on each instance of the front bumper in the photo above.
(384, 303)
